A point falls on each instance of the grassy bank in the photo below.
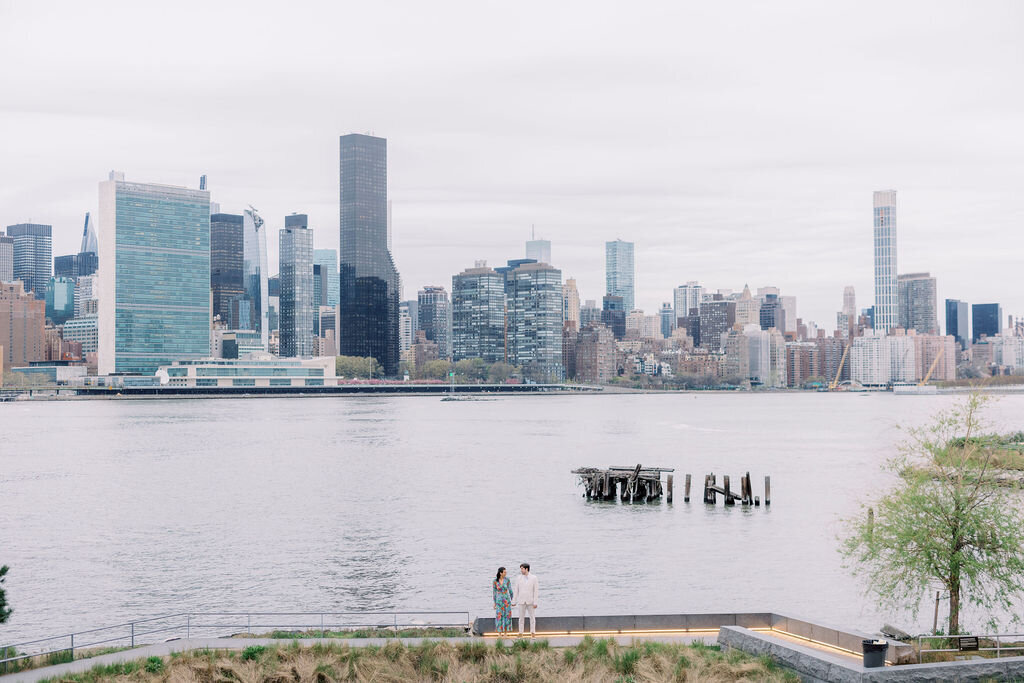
(591, 660)
(364, 633)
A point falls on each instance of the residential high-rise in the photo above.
(368, 290)
(846, 319)
(613, 315)
(886, 294)
(33, 256)
(226, 258)
(668, 319)
(539, 250)
(435, 318)
(22, 324)
(620, 271)
(917, 303)
(870, 359)
(686, 298)
(986, 320)
(327, 259)
(789, 313)
(571, 303)
(590, 312)
(716, 318)
(60, 299)
(86, 293)
(296, 272)
(154, 275)
(957, 323)
(534, 319)
(595, 354)
(6, 258)
(772, 313)
(478, 314)
(409, 321)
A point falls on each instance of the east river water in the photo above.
(114, 510)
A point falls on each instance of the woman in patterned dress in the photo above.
(502, 589)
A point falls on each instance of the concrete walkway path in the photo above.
(187, 644)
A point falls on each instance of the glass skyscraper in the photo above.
(986, 320)
(327, 259)
(226, 266)
(296, 272)
(478, 315)
(60, 299)
(154, 303)
(534, 295)
(254, 314)
(619, 271)
(886, 289)
(435, 318)
(917, 303)
(956, 322)
(33, 256)
(368, 286)
(6, 258)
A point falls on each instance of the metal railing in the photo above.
(220, 624)
(989, 642)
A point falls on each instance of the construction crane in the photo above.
(935, 362)
(839, 372)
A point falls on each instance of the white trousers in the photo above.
(523, 611)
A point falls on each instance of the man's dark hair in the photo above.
(525, 565)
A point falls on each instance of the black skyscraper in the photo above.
(368, 299)
(956, 322)
(226, 266)
(986, 320)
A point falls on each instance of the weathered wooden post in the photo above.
(757, 501)
(686, 490)
(668, 497)
(728, 494)
(767, 490)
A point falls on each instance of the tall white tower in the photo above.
(886, 301)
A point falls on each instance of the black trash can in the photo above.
(874, 653)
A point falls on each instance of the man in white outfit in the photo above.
(525, 595)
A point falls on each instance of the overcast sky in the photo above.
(733, 143)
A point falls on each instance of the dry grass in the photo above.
(592, 660)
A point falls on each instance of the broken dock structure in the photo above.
(633, 484)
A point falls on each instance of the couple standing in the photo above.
(505, 596)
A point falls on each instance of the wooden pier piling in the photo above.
(668, 483)
(686, 490)
(767, 491)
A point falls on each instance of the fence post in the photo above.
(919, 654)
(72, 647)
(248, 623)
(396, 623)
(997, 646)
(133, 634)
(188, 626)
(322, 633)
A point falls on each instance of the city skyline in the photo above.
(708, 177)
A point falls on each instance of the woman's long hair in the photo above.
(497, 576)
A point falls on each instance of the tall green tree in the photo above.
(357, 367)
(946, 524)
(5, 611)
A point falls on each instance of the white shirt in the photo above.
(526, 590)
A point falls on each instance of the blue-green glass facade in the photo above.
(162, 276)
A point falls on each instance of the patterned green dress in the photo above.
(502, 605)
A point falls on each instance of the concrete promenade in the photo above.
(187, 644)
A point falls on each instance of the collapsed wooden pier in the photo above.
(635, 484)
(643, 484)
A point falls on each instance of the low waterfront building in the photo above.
(52, 372)
(250, 372)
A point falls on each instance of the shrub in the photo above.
(154, 664)
(253, 652)
(625, 663)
